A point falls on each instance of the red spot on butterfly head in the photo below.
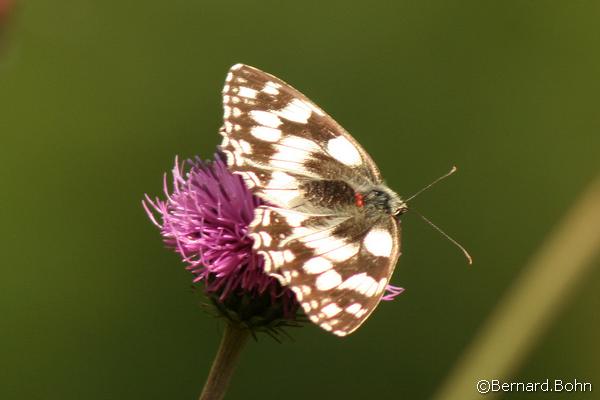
(358, 200)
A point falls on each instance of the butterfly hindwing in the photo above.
(337, 270)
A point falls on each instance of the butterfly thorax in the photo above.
(376, 201)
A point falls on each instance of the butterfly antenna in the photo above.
(453, 170)
(465, 252)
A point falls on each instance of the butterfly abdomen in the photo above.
(328, 193)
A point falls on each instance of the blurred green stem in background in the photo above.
(528, 309)
(232, 343)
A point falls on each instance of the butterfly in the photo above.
(330, 228)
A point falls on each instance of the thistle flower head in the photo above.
(205, 218)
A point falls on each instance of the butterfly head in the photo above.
(400, 209)
(383, 199)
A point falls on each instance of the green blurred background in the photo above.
(97, 98)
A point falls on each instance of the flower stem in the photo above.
(232, 343)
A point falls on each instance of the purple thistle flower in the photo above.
(205, 219)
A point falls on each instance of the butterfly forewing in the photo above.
(268, 122)
(314, 239)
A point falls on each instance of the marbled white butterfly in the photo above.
(331, 229)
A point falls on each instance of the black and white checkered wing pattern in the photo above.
(286, 149)
(269, 125)
(337, 272)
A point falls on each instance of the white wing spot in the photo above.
(271, 88)
(265, 133)
(325, 244)
(301, 143)
(266, 238)
(309, 236)
(379, 242)
(247, 92)
(331, 310)
(228, 77)
(288, 256)
(326, 326)
(280, 278)
(353, 308)
(343, 253)
(345, 152)
(381, 286)
(292, 152)
(236, 112)
(317, 265)
(276, 192)
(236, 146)
(257, 241)
(278, 260)
(328, 280)
(236, 67)
(230, 158)
(288, 156)
(315, 108)
(282, 180)
(263, 215)
(362, 283)
(298, 293)
(266, 118)
(294, 219)
(296, 111)
(361, 312)
(245, 146)
(268, 263)
(250, 178)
